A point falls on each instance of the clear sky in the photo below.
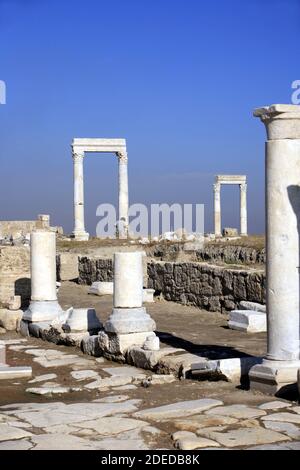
(178, 79)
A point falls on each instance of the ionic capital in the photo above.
(122, 156)
(217, 187)
(77, 157)
(243, 188)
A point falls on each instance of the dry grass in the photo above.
(252, 241)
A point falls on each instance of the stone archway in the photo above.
(79, 148)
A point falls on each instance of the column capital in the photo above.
(282, 121)
(122, 156)
(217, 187)
(243, 187)
(77, 157)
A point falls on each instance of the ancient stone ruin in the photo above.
(79, 148)
(192, 325)
(230, 179)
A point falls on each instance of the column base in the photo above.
(274, 377)
(80, 236)
(114, 344)
(129, 320)
(42, 311)
(82, 320)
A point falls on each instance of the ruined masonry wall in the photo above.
(202, 285)
(15, 273)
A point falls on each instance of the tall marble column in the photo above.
(123, 195)
(43, 305)
(278, 372)
(217, 209)
(243, 209)
(79, 232)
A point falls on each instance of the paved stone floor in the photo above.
(80, 402)
(75, 401)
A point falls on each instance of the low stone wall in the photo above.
(231, 254)
(95, 269)
(12, 228)
(205, 286)
(211, 253)
(15, 273)
(212, 288)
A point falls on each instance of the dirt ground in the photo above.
(178, 325)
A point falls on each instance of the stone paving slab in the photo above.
(53, 390)
(84, 374)
(175, 410)
(285, 428)
(124, 371)
(62, 442)
(21, 444)
(59, 413)
(10, 432)
(109, 426)
(43, 378)
(274, 405)
(283, 417)
(237, 411)
(244, 437)
(193, 423)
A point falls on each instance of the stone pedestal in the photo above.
(129, 319)
(81, 320)
(278, 371)
(249, 321)
(43, 305)
(102, 288)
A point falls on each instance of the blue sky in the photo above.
(178, 79)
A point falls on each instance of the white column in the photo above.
(243, 209)
(279, 369)
(79, 232)
(217, 209)
(123, 195)
(43, 265)
(128, 280)
(128, 315)
(44, 305)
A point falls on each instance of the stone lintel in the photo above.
(98, 145)
(231, 179)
